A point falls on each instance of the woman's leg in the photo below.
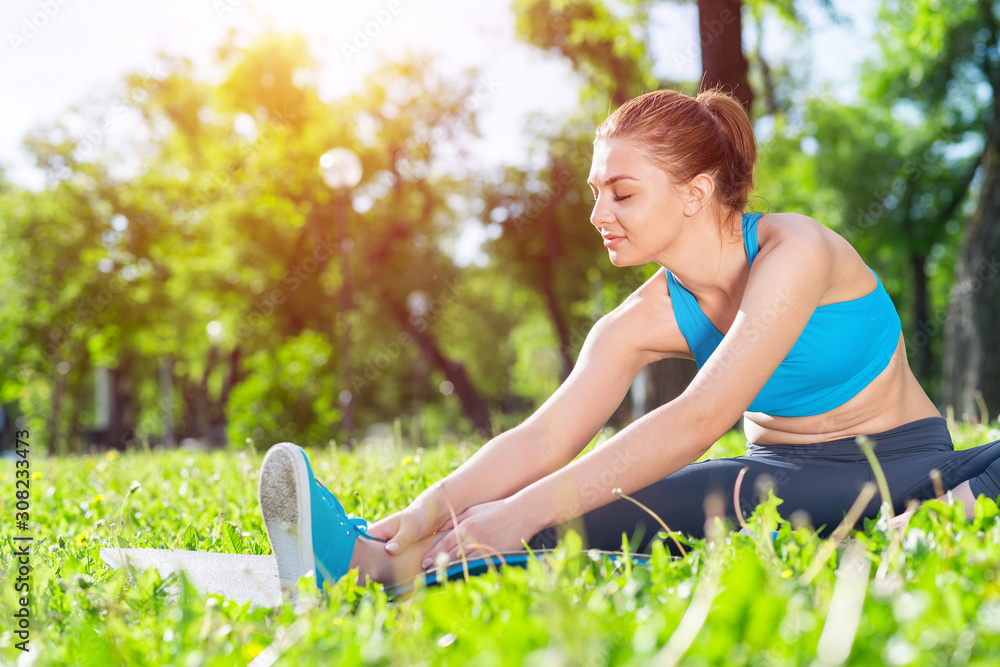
(823, 490)
(982, 480)
(967, 474)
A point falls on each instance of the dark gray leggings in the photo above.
(823, 480)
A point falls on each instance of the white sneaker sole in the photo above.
(283, 492)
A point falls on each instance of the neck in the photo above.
(708, 258)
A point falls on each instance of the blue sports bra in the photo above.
(843, 347)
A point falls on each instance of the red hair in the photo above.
(686, 136)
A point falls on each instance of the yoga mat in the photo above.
(476, 566)
(244, 578)
(241, 578)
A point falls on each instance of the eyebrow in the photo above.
(615, 179)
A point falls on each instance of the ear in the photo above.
(698, 192)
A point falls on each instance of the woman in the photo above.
(788, 325)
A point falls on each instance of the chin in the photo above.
(620, 262)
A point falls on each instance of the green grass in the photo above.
(936, 602)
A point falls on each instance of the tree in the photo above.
(972, 353)
(47, 301)
(720, 29)
(216, 249)
(941, 62)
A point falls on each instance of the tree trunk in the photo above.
(562, 330)
(549, 268)
(55, 416)
(473, 405)
(672, 377)
(972, 337)
(74, 441)
(233, 378)
(166, 387)
(192, 426)
(723, 64)
(923, 359)
(120, 429)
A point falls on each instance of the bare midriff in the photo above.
(892, 399)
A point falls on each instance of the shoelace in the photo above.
(359, 525)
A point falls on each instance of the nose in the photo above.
(601, 215)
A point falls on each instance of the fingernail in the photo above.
(392, 547)
(427, 562)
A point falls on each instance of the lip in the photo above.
(612, 241)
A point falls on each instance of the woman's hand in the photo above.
(494, 526)
(399, 530)
(426, 515)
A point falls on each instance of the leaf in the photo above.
(232, 541)
(190, 538)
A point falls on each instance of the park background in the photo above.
(175, 265)
(174, 276)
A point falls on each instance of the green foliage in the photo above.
(222, 217)
(545, 240)
(291, 394)
(603, 41)
(537, 371)
(937, 602)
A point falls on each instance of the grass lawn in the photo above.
(931, 597)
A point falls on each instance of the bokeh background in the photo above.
(180, 265)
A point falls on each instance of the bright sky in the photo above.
(86, 47)
(56, 53)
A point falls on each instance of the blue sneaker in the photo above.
(306, 524)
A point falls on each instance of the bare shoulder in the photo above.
(645, 322)
(800, 238)
(775, 228)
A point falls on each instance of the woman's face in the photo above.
(637, 209)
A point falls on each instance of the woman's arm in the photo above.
(560, 428)
(786, 284)
(616, 348)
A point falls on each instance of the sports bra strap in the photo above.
(750, 235)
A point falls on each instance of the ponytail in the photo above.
(740, 165)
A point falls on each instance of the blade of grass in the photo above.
(851, 518)
(844, 615)
(618, 492)
(764, 542)
(894, 545)
(736, 497)
(938, 482)
(458, 538)
(868, 447)
(283, 640)
(119, 540)
(694, 616)
(984, 415)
